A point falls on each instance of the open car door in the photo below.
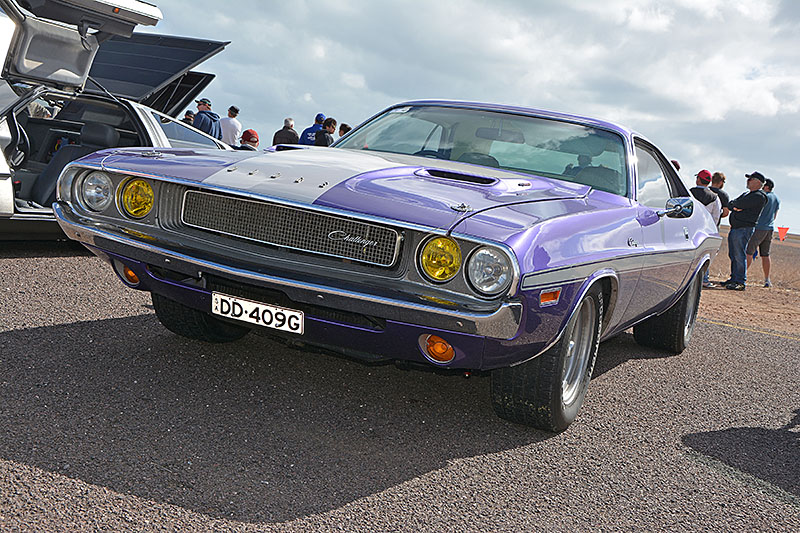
(153, 70)
(55, 41)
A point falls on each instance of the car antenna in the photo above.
(91, 79)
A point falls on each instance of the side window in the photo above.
(652, 188)
(181, 136)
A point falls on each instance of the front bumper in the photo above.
(405, 320)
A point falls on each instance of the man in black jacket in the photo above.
(286, 135)
(744, 213)
(325, 135)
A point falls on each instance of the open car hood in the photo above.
(154, 70)
(55, 41)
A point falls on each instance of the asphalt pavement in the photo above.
(110, 422)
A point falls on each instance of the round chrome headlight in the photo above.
(440, 259)
(489, 271)
(96, 191)
(137, 198)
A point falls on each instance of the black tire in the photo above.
(534, 393)
(672, 330)
(194, 324)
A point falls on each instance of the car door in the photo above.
(52, 43)
(669, 250)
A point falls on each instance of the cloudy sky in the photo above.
(715, 84)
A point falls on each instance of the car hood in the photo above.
(407, 189)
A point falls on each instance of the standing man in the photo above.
(745, 211)
(324, 137)
(309, 134)
(286, 135)
(206, 120)
(708, 198)
(188, 117)
(762, 236)
(231, 128)
(249, 141)
(717, 183)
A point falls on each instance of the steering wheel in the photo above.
(18, 151)
(428, 153)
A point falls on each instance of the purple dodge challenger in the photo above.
(449, 234)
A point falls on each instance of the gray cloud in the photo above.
(715, 84)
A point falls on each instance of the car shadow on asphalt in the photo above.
(771, 455)
(45, 249)
(250, 431)
(622, 348)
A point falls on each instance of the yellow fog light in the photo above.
(137, 198)
(437, 349)
(441, 259)
(130, 275)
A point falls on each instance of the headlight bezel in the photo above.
(508, 267)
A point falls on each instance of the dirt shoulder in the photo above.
(776, 308)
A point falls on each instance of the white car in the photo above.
(95, 89)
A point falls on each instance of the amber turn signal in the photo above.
(130, 276)
(437, 349)
(549, 297)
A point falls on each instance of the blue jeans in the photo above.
(737, 245)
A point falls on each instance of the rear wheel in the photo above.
(547, 391)
(194, 324)
(671, 331)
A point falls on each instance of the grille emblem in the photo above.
(339, 235)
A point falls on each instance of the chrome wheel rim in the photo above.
(579, 344)
(691, 309)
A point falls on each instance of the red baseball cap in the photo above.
(704, 176)
(250, 136)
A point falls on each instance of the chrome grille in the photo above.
(291, 227)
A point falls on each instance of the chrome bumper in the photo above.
(502, 323)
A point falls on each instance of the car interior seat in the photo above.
(93, 137)
(603, 178)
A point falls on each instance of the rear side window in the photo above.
(181, 136)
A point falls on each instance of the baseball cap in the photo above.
(234, 109)
(319, 118)
(205, 101)
(756, 175)
(249, 136)
(189, 112)
(704, 176)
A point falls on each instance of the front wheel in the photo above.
(547, 391)
(194, 324)
(671, 331)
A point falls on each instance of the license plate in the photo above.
(257, 313)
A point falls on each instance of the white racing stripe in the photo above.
(297, 175)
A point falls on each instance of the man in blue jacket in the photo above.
(206, 120)
(745, 211)
(309, 134)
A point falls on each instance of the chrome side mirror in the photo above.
(681, 207)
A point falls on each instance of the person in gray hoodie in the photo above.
(206, 120)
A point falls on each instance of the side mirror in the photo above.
(678, 208)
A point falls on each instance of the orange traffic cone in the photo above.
(782, 233)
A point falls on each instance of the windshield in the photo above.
(531, 145)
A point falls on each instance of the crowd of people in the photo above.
(751, 217)
(229, 129)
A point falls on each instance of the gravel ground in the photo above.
(109, 422)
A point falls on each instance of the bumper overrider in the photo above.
(351, 322)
